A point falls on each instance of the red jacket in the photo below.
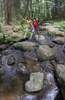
(35, 24)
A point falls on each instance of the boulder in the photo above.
(12, 33)
(61, 77)
(13, 37)
(59, 40)
(26, 45)
(60, 33)
(32, 65)
(61, 71)
(55, 30)
(11, 60)
(44, 52)
(41, 39)
(35, 83)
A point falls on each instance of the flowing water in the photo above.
(50, 91)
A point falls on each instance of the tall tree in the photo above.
(8, 5)
(17, 4)
(28, 8)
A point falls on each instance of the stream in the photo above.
(11, 58)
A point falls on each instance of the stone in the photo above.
(59, 40)
(32, 65)
(35, 83)
(60, 33)
(11, 60)
(41, 39)
(26, 45)
(13, 37)
(61, 78)
(61, 71)
(22, 69)
(12, 33)
(54, 30)
(44, 52)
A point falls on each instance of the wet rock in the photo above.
(61, 78)
(22, 69)
(11, 60)
(25, 45)
(36, 82)
(41, 39)
(12, 57)
(45, 52)
(59, 54)
(52, 29)
(59, 40)
(61, 71)
(32, 63)
(51, 44)
(60, 33)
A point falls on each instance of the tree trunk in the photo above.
(8, 11)
(28, 8)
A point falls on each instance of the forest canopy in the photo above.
(42, 9)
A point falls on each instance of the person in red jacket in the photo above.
(36, 25)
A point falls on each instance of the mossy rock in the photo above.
(25, 45)
(45, 52)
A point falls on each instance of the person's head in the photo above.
(36, 18)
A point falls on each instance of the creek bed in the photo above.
(16, 91)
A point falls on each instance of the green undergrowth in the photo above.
(60, 24)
